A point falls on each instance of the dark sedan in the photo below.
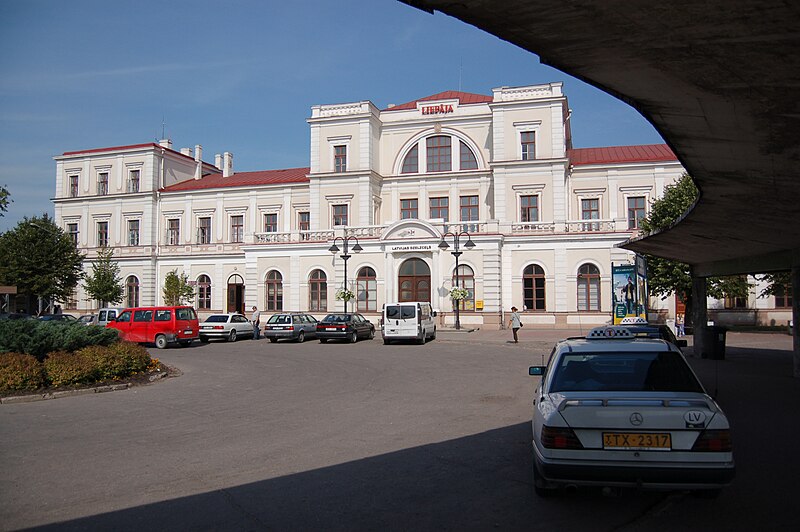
(349, 327)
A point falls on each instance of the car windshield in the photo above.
(400, 312)
(280, 318)
(337, 318)
(623, 372)
(217, 319)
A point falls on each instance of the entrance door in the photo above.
(414, 281)
(236, 294)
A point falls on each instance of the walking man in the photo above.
(256, 319)
(515, 323)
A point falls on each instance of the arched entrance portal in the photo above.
(236, 294)
(414, 281)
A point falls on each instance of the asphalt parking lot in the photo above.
(261, 436)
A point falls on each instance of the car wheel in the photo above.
(232, 336)
(161, 341)
(433, 336)
(421, 339)
(203, 340)
(354, 337)
(301, 337)
(273, 340)
(323, 340)
(371, 334)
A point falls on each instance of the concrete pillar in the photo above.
(702, 341)
(795, 316)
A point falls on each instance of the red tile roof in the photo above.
(134, 147)
(243, 179)
(464, 98)
(621, 154)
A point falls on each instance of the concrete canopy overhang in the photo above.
(719, 80)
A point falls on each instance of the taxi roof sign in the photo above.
(610, 333)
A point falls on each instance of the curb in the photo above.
(31, 398)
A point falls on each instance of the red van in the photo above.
(157, 325)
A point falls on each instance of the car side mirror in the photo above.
(433, 313)
(536, 371)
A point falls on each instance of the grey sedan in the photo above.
(229, 327)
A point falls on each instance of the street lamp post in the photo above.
(345, 255)
(443, 245)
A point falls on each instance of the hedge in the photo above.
(19, 371)
(38, 338)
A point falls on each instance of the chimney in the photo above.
(186, 151)
(218, 161)
(165, 143)
(198, 157)
(227, 164)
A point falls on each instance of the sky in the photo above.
(240, 76)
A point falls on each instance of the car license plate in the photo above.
(656, 441)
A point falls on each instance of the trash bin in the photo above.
(715, 342)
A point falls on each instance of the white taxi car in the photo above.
(616, 410)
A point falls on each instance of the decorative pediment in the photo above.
(410, 230)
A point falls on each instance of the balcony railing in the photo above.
(534, 227)
(590, 226)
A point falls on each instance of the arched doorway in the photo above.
(236, 294)
(414, 281)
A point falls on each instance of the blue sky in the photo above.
(239, 76)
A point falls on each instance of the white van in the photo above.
(105, 315)
(410, 320)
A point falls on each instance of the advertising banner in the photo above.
(629, 282)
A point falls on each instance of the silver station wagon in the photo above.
(613, 409)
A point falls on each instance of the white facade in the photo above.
(545, 218)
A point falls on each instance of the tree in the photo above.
(665, 276)
(177, 290)
(40, 259)
(104, 283)
(4, 201)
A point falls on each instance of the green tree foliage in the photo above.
(40, 259)
(779, 284)
(4, 201)
(104, 283)
(665, 276)
(37, 338)
(177, 290)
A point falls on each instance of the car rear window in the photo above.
(217, 319)
(280, 318)
(336, 318)
(622, 372)
(401, 312)
(185, 314)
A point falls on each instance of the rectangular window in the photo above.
(590, 210)
(133, 180)
(73, 186)
(438, 152)
(636, 211)
(204, 230)
(469, 208)
(133, 232)
(173, 231)
(271, 223)
(528, 139)
(529, 208)
(440, 208)
(339, 215)
(783, 296)
(102, 234)
(408, 209)
(304, 221)
(237, 228)
(72, 231)
(102, 183)
(340, 158)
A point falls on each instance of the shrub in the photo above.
(38, 338)
(135, 357)
(20, 372)
(70, 368)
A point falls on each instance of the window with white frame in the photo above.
(204, 230)
(590, 210)
(102, 234)
(72, 231)
(588, 288)
(73, 186)
(173, 231)
(133, 180)
(636, 211)
(528, 145)
(340, 158)
(271, 222)
(237, 228)
(102, 183)
(133, 232)
(204, 292)
(339, 213)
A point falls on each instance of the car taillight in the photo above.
(218, 327)
(715, 441)
(560, 438)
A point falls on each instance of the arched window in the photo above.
(588, 288)
(367, 290)
(274, 290)
(132, 291)
(533, 288)
(466, 279)
(411, 162)
(468, 160)
(318, 291)
(204, 292)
